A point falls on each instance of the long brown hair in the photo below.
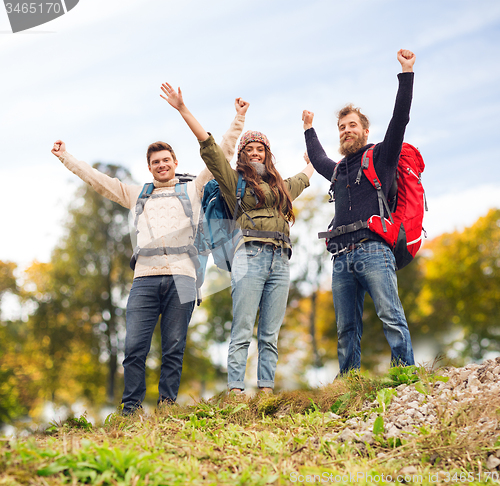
(276, 183)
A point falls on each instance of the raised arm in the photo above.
(319, 160)
(109, 187)
(175, 100)
(394, 136)
(228, 142)
(308, 170)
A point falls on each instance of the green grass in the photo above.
(287, 438)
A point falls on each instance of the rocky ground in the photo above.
(468, 403)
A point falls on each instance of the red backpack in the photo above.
(403, 230)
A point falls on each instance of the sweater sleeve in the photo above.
(109, 187)
(390, 148)
(317, 155)
(228, 142)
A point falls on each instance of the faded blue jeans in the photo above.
(370, 267)
(260, 281)
(149, 298)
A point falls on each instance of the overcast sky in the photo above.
(92, 78)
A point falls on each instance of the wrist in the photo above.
(307, 126)
(183, 109)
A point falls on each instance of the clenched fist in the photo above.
(59, 148)
(307, 118)
(407, 60)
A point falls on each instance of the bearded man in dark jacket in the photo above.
(363, 262)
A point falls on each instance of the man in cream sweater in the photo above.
(164, 284)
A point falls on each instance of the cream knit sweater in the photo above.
(168, 223)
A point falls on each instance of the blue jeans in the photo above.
(368, 268)
(149, 297)
(260, 280)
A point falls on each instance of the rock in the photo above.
(347, 435)
(408, 470)
(464, 374)
(366, 436)
(410, 410)
(492, 462)
(393, 432)
(473, 381)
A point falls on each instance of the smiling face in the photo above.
(162, 165)
(352, 134)
(256, 152)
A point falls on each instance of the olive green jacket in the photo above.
(267, 217)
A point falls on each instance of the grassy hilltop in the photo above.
(410, 426)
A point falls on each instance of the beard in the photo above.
(353, 146)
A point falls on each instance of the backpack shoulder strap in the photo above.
(331, 191)
(368, 168)
(147, 189)
(181, 192)
(240, 192)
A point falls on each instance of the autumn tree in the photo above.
(11, 403)
(80, 296)
(461, 293)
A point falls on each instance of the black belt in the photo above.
(276, 235)
(350, 247)
(342, 230)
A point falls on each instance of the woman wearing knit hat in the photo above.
(260, 275)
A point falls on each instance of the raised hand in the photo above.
(241, 106)
(59, 148)
(173, 97)
(307, 118)
(407, 60)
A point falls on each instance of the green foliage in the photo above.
(80, 423)
(341, 404)
(378, 425)
(101, 465)
(461, 291)
(79, 298)
(228, 441)
(7, 279)
(384, 398)
(16, 377)
(403, 374)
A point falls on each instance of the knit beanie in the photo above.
(253, 137)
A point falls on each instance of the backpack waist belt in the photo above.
(277, 235)
(166, 250)
(342, 230)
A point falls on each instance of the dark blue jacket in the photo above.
(357, 202)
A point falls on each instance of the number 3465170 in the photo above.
(45, 7)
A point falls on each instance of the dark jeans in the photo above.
(369, 268)
(149, 297)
